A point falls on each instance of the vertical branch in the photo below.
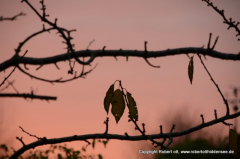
(225, 101)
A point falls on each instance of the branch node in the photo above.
(106, 122)
(161, 129)
(173, 127)
(202, 118)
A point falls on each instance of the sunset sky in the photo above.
(160, 93)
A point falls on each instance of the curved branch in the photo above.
(31, 36)
(45, 141)
(111, 53)
(61, 31)
(82, 75)
(224, 99)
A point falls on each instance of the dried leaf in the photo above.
(233, 141)
(118, 104)
(108, 98)
(100, 156)
(132, 107)
(190, 69)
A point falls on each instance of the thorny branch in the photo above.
(71, 53)
(31, 95)
(64, 33)
(111, 53)
(59, 80)
(92, 54)
(230, 22)
(120, 137)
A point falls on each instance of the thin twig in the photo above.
(12, 18)
(225, 101)
(13, 69)
(28, 95)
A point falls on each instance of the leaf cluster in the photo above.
(118, 99)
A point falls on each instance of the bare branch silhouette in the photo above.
(230, 22)
(13, 69)
(45, 140)
(72, 54)
(12, 18)
(28, 95)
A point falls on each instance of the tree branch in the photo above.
(224, 99)
(230, 22)
(12, 18)
(170, 135)
(28, 95)
(111, 53)
(16, 64)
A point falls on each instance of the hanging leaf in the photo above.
(108, 97)
(100, 156)
(132, 106)
(118, 104)
(190, 70)
(233, 141)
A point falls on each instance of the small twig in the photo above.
(106, 122)
(209, 40)
(90, 43)
(9, 84)
(227, 124)
(56, 66)
(215, 42)
(29, 133)
(215, 113)
(170, 141)
(161, 129)
(13, 69)
(145, 50)
(202, 118)
(59, 80)
(20, 139)
(27, 95)
(103, 49)
(173, 127)
(39, 67)
(13, 86)
(209, 43)
(87, 142)
(12, 18)
(71, 68)
(144, 131)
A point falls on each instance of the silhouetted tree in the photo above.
(118, 98)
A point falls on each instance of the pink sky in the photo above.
(159, 93)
